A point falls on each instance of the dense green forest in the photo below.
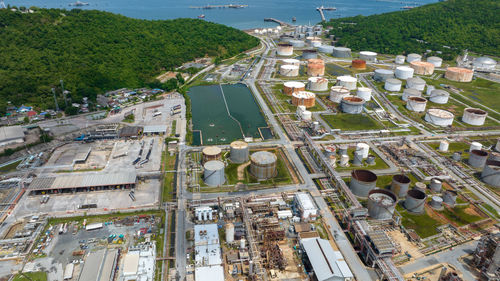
(94, 51)
(459, 24)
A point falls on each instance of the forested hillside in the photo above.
(459, 24)
(95, 51)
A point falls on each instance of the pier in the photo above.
(230, 6)
(282, 23)
(322, 14)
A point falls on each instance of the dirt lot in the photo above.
(432, 273)
(406, 246)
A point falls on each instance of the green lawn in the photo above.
(10, 167)
(454, 147)
(33, 276)
(168, 184)
(351, 122)
(459, 216)
(423, 224)
(492, 210)
(379, 163)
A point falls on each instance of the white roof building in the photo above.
(306, 206)
(139, 263)
(208, 257)
(327, 264)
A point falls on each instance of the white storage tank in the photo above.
(404, 72)
(317, 84)
(416, 104)
(229, 232)
(436, 61)
(289, 70)
(429, 90)
(364, 148)
(413, 57)
(285, 49)
(337, 93)
(484, 63)
(263, 165)
(444, 145)
(474, 116)
(309, 54)
(291, 87)
(383, 74)
(352, 105)
(341, 52)
(297, 43)
(347, 81)
(239, 152)
(213, 174)
(475, 146)
(436, 202)
(364, 93)
(344, 160)
(368, 56)
(325, 49)
(439, 96)
(381, 204)
(439, 117)
(400, 59)
(410, 93)
(416, 83)
(393, 85)
(291, 61)
(242, 243)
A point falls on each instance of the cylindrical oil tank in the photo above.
(494, 156)
(315, 43)
(475, 146)
(370, 160)
(315, 67)
(362, 182)
(381, 204)
(311, 39)
(337, 93)
(416, 104)
(304, 98)
(491, 173)
(400, 185)
(286, 38)
(344, 160)
(365, 148)
(420, 186)
(263, 165)
(368, 56)
(242, 243)
(343, 149)
(439, 96)
(213, 174)
(306, 115)
(400, 59)
(422, 67)
(309, 54)
(238, 152)
(297, 43)
(325, 49)
(415, 201)
(347, 81)
(364, 93)
(435, 185)
(211, 153)
(393, 85)
(436, 61)
(404, 72)
(289, 70)
(341, 52)
(484, 63)
(474, 116)
(450, 197)
(457, 156)
(436, 202)
(383, 74)
(416, 83)
(229, 232)
(292, 87)
(410, 93)
(439, 117)
(358, 64)
(429, 90)
(477, 158)
(291, 61)
(413, 57)
(358, 158)
(459, 74)
(317, 84)
(444, 145)
(352, 105)
(285, 49)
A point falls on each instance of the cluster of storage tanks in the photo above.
(262, 163)
(381, 203)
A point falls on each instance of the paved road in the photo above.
(450, 256)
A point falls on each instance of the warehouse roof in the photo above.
(209, 273)
(85, 180)
(11, 133)
(305, 201)
(93, 263)
(324, 260)
(155, 129)
(130, 131)
(131, 264)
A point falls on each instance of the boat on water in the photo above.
(79, 4)
(407, 7)
(201, 16)
(294, 19)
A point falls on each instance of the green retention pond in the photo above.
(224, 113)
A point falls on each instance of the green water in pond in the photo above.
(212, 123)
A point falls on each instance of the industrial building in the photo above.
(155, 130)
(11, 134)
(208, 259)
(323, 263)
(139, 263)
(132, 132)
(99, 265)
(84, 182)
(487, 257)
(305, 205)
